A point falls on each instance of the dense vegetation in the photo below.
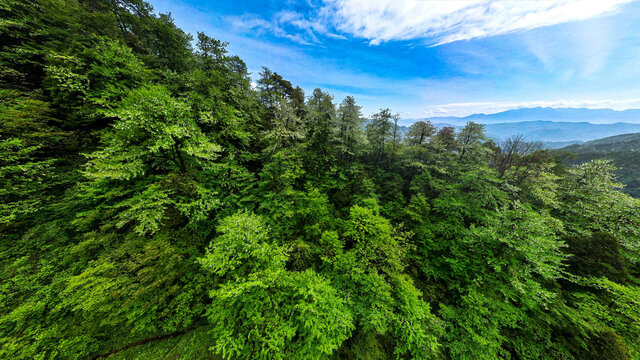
(622, 150)
(154, 202)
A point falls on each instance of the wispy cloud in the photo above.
(436, 22)
(441, 22)
(285, 24)
(582, 49)
(490, 107)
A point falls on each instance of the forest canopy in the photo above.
(154, 204)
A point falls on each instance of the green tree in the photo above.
(591, 202)
(379, 132)
(445, 138)
(154, 153)
(349, 133)
(155, 203)
(470, 142)
(292, 314)
(385, 302)
(420, 133)
(287, 130)
(319, 121)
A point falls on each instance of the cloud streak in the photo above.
(284, 24)
(435, 22)
(442, 22)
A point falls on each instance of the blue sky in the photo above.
(436, 58)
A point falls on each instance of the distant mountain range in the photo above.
(554, 127)
(558, 132)
(552, 134)
(594, 116)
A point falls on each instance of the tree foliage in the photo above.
(156, 204)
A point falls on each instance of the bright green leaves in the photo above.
(244, 243)
(68, 85)
(493, 257)
(324, 320)
(155, 132)
(156, 137)
(27, 171)
(591, 202)
(96, 263)
(148, 120)
(76, 294)
(146, 209)
(142, 286)
(470, 142)
(624, 312)
(289, 314)
(442, 245)
(278, 315)
(95, 80)
(385, 301)
(306, 315)
(113, 70)
(20, 179)
(472, 330)
(533, 238)
(374, 241)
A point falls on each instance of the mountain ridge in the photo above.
(594, 116)
(555, 133)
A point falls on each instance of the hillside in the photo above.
(623, 150)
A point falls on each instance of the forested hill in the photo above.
(154, 205)
(622, 150)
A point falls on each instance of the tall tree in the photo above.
(154, 204)
(379, 132)
(349, 133)
(396, 136)
(274, 89)
(157, 139)
(319, 121)
(286, 130)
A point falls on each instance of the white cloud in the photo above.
(336, 36)
(285, 24)
(438, 22)
(441, 22)
(490, 107)
(437, 111)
